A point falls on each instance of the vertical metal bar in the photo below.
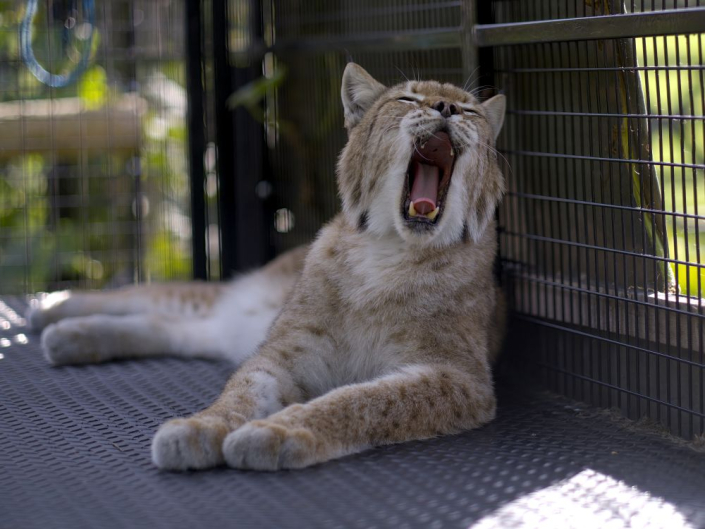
(669, 104)
(586, 124)
(570, 125)
(250, 246)
(692, 125)
(469, 50)
(135, 172)
(196, 136)
(485, 56)
(656, 90)
(537, 58)
(224, 126)
(553, 249)
(634, 407)
(614, 376)
(686, 249)
(701, 326)
(240, 145)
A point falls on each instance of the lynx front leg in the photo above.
(260, 388)
(414, 403)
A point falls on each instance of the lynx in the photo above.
(382, 331)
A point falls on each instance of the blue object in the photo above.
(50, 79)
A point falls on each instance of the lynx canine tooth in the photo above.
(433, 214)
(452, 153)
(412, 210)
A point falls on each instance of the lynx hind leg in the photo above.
(100, 338)
(46, 310)
(195, 299)
(187, 299)
(58, 306)
(195, 319)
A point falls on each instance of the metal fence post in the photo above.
(196, 136)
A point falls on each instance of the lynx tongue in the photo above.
(424, 191)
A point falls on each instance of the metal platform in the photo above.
(74, 453)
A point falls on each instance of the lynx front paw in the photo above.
(265, 445)
(194, 443)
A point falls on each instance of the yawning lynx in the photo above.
(382, 331)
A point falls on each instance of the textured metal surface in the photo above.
(75, 453)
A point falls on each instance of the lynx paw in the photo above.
(72, 342)
(36, 318)
(47, 311)
(194, 443)
(265, 445)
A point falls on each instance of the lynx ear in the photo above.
(358, 91)
(494, 112)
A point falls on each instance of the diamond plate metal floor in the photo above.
(74, 452)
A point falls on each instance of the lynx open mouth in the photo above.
(427, 180)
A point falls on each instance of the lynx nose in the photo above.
(446, 109)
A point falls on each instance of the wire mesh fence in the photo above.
(312, 43)
(600, 231)
(93, 176)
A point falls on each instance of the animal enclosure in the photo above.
(198, 139)
(202, 140)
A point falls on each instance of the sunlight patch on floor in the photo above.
(588, 500)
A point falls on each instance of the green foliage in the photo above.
(93, 88)
(252, 94)
(678, 93)
(70, 215)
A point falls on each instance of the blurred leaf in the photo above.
(93, 88)
(252, 94)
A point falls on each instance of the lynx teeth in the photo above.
(412, 210)
(433, 214)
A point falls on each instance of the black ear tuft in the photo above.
(362, 221)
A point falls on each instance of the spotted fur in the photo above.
(387, 333)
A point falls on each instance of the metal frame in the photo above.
(666, 22)
(225, 139)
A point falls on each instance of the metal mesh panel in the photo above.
(313, 41)
(524, 11)
(93, 177)
(296, 19)
(600, 230)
